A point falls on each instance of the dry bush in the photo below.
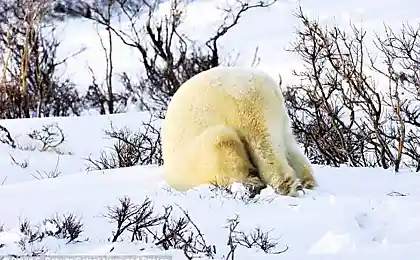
(168, 57)
(6, 137)
(66, 227)
(143, 224)
(54, 173)
(258, 239)
(50, 136)
(140, 222)
(130, 148)
(338, 112)
(22, 164)
(29, 86)
(401, 52)
(1, 230)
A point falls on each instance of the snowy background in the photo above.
(270, 29)
(362, 213)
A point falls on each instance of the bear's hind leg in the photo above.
(273, 167)
(228, 159)
(299, 162)
(254, 184)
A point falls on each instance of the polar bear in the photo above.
(229, 124)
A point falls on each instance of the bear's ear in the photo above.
(280, 80)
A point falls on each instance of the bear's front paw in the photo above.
(309, 183)
(289, 187)
(254, 185)
(308, 180)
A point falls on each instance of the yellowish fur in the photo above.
(229, 125)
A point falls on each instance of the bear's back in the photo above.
(237, 82)
(232, 96)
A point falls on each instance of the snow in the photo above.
(355, 212)
(363, 213)
(272, 34)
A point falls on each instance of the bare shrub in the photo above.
(105, 100)
(1, 230)
(50, 136)
(140, 222)
(184, 234)
(66, 227)
(130, 148)
(167, 56)
(232, 225)
(133, 218)
(29, 85)
(6, 137)
(54, 173)
(338, 112)
(258, 239)
(401, 63)
(28, 243)
(143, 224)
(23, 164)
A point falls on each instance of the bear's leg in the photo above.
(273, 166)
(299, 162)
(253, 183)
(228, 159)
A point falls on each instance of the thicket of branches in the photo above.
(165, 228)
(29, 84)
(169, 230)
(167, 56)
(130, 148)
(339, 112)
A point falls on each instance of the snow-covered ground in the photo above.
(355, 212)
(359, 213)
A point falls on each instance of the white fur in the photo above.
(223, 111)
